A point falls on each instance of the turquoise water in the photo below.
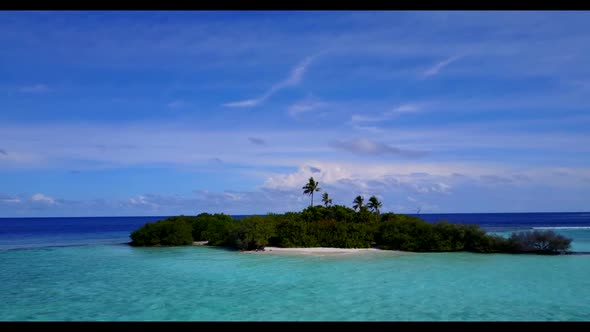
(76, 269)
(120, 283)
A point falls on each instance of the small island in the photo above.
(337, 226)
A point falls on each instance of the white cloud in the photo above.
(293, 79)
(247, 102)
(334, 173)
(434, 70)
(41, 198)
(428, 186)
(406, 108)
(63, 146)
(233, 196)
(344, 181)
(296, 73)
(387, 115)
(10, 200)
(146, 201)
(414, 177)
(438, 187)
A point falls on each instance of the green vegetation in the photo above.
(251, 233)
(374, 204)
(341, 227)
(212, 227)
(326, 200)
(311, 187)
(318, 226)
(175, 231)
(538, 242)
(358, 203)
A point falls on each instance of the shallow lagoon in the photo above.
(47, 274)
(116, 282)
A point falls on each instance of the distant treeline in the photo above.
(341, 227)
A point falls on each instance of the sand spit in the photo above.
(321, 251)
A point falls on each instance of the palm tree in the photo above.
(374, 204)
(310, 188)
(327, 201)
(358, 203)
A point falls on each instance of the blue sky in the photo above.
(164, 113)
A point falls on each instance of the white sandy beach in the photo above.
(315, 251)
(321, 251)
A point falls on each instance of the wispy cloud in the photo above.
(421, 184)
(387, 115)
(256, 140)
(41, 198)
(359, 118)
(406, 108)
(36, 88)
(3, 152)
(495, 179)
(69, 145)
(247, 102)
(9, 199)
(434, 70)
(145, 200)
(368, 147)
(371, 129)
(293, 79)
(305, 106)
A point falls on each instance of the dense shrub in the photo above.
(353, 235)
(475, 239)
(342, 213)
(341, 227)
(544, 242)
(405, 233)
(293, 233)
(448, 237)
(169, 232)
(398, 232)
(211, 227)
(334, 226)
(251, 232)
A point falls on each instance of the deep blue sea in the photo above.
(80, 269)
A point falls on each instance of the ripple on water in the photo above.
(122, 283)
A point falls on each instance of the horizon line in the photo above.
(231, 215)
